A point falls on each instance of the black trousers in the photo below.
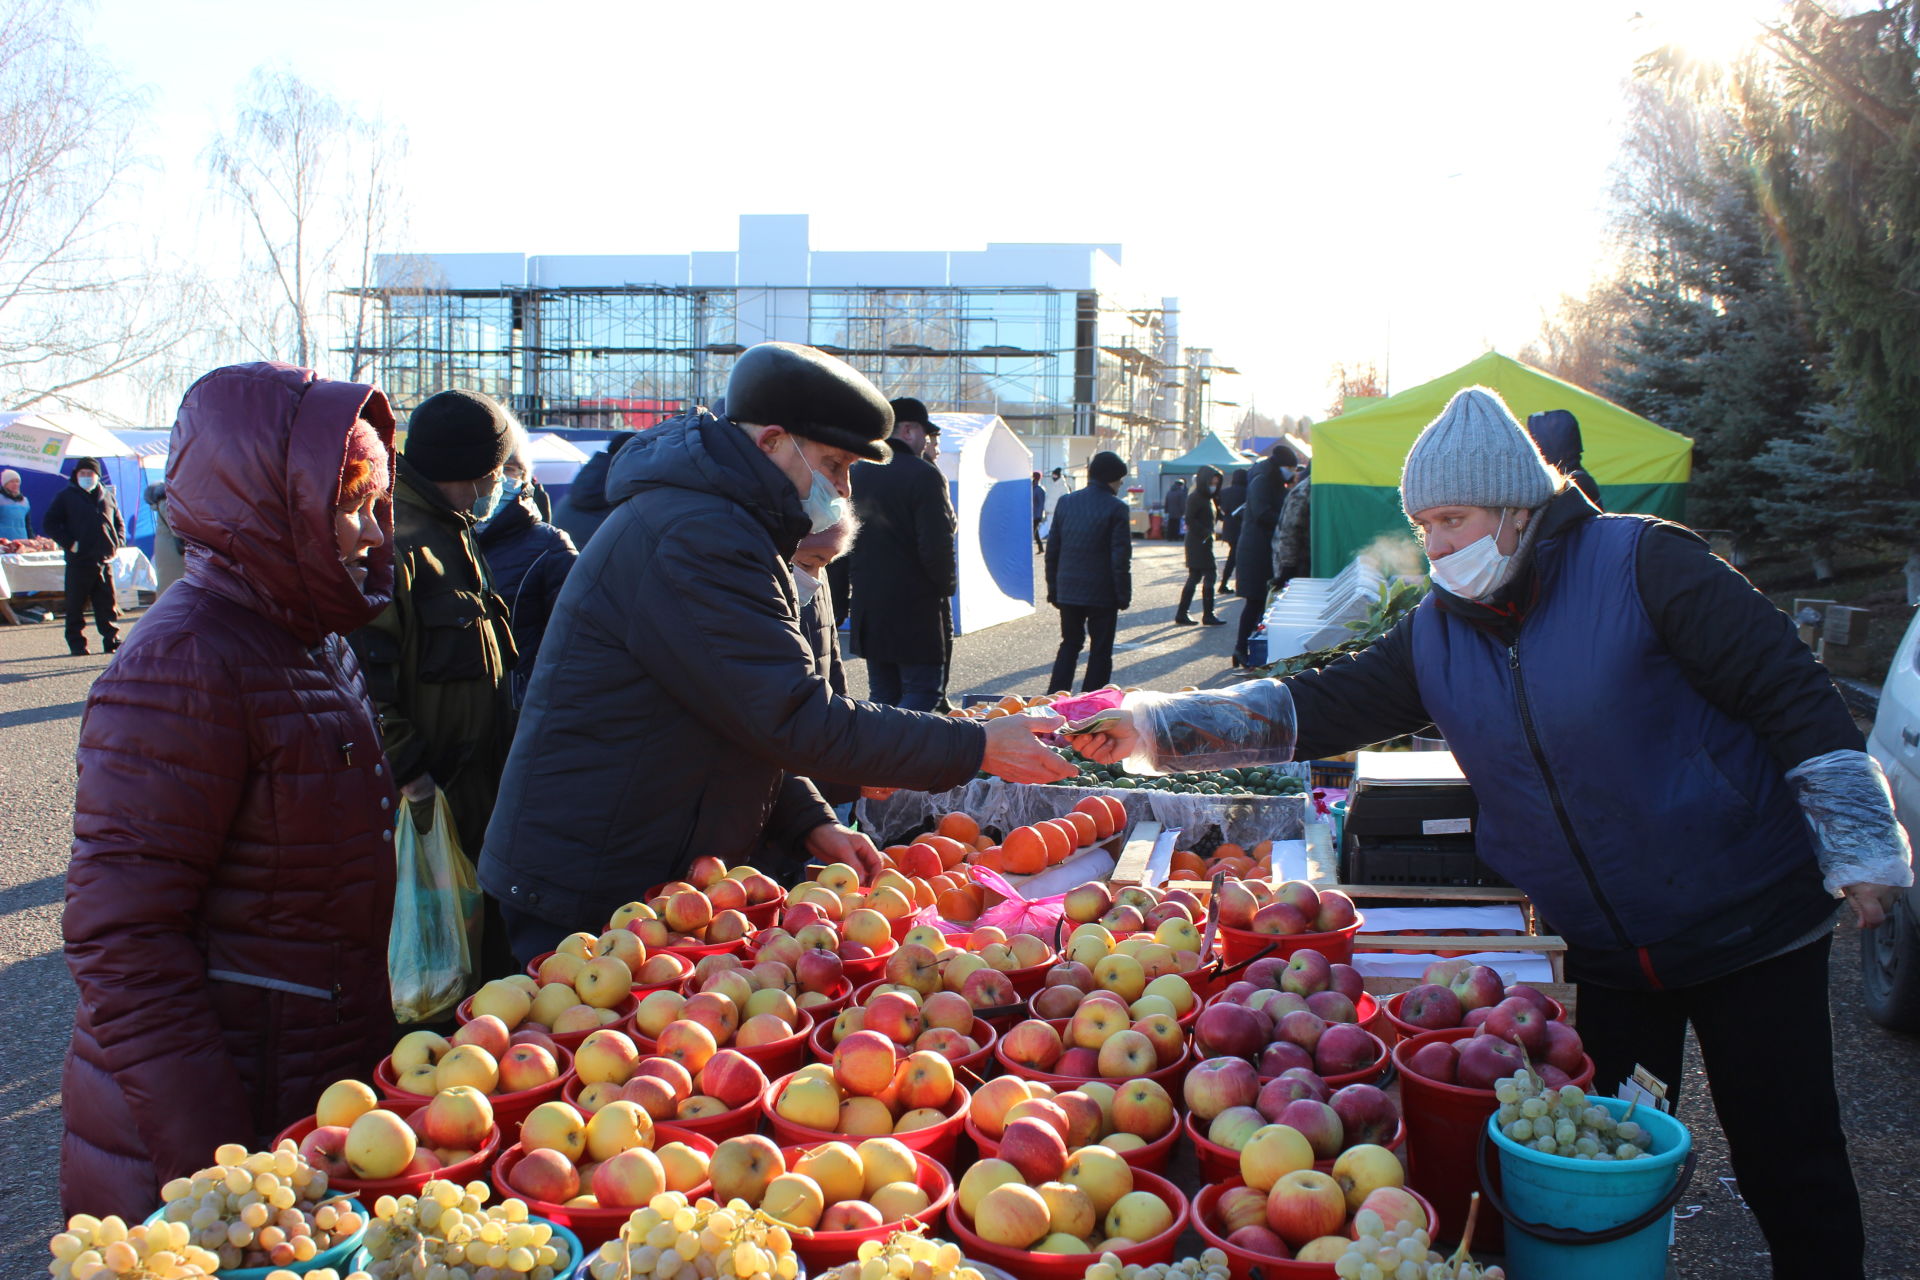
(1038, 545)
(1204, 577)
(1762, 1076)
(1078, 625)
(1226, 572)
(89, 583)
(1252, 608)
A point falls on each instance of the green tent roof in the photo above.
(1357, 457)
(1212, 451)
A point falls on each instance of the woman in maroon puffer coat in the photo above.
(232, 878)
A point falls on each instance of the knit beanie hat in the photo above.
(9, 475)
(367, 465)
(1475, 455)
(1106, 467)
(458, 435)
(86, 464)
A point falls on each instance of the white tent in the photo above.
(555, 460)
(990, 474)
(41, 441)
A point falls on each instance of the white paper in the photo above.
(1405, 768)
(1290, 860)
(1498, 918)
(1513, 966)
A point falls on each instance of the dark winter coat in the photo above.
(1626, 709)
(87, 526)
(528, 559)
(437, 659)
(822, 631)
(903, 565)
(1198, 535)
(1557, 432)
(1228, 502)
(231, 886)
(1090, 550)
(586, 507)
(677, 709)
(1293, 534)
(1266, 490)
(1174, 505)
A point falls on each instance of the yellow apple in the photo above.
(980, 1178)
(555, 1126)
(616, 1127)
(795, 1199)
(555, 998)
(1101, 1173)
(1361, 1170)
(577, 944)
(837, 1169)
(898, 1201)
(884, 1160)
(628, 1179)
(418, 1047)
(379, 1145)
(561, 966)
(685, 1166)
(505, 1000)
(470, 1065)
(1070, 1208)
(343, 1102)
(839, 877)
(604, 982)
(811, 1102)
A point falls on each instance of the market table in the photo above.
(29, 572)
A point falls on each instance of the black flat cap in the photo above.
(811, 394)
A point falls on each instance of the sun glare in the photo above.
(1710, 31)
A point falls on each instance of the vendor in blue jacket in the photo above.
(1661, 765)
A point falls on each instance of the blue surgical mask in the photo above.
(823, 503)
(89, 483)
(509, 490)
(485, 502)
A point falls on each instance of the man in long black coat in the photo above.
(1265, 492)
(85, 521)
(903, 568)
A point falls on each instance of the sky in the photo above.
(1402, 183)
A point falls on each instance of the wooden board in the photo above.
(1136, 856)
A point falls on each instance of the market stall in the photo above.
(44, 572)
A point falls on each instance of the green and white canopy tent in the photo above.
(1211, 451)
(1357, 457)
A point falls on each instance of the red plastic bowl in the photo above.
(570, 1039)
(938, 1141)
(861, 972)
(838, 998)
(1244, 944)
(508, 1108)
(1026, 980)
(1365, 1009)
(1072, 1266)
(1152, 1157)
(775, 1059)
(766, 914)
(695, 952)
(1218, 1163)
(982, 1033)
(822, 1249)
(594, 1226)
(1168, 1077)
(1245, 1265)
(1407, 1031)
(462, 1171)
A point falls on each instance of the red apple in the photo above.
(1303, 1029)
(1229, 1030)
(1521, 1021)
(326, 1150)
(819, 969)
(1241, 1206)
(1035, 1148)
(1431, 1006)
(1069, 973)
(1219, 1083)
(1282, 1056)
(1307, 972)
(1331, 1006)
(1478, 988)
(1532, 995)
(1437, 1061)
(1348, 982)
(1280, 918)
(1267, 971)
(1305, 1205)
(1336, 912)
(1564, 1049)
(1318, 1123)
(1475, 1017)
(1259, 1240)
(1344, 1049)
(1080, 1064)
(1487, 1060)
(1057, 1002)
(1367, 1113)
(1033, 1044)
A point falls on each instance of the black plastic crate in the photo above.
(1330, 773)
(1413, 862)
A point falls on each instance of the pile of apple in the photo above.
(1235, 1102)
(812, 962)
(1133, 908)
(1146, 991)
(1292, 907)
(727, 1007)
(988, 947)
(868, 1090)
(1288, 1209)
(832, 1187)
(577, 988)
(606, 1161)
(1297, 1012)
(1172, 947)
(836, 894)
(939, 1023)
(482, 1055)
(1516, 1033)
(354, 1138)
(1102, 1040)
(710, 905)
(1086, 1204)
(612, 1069)
(1459, 993)
(1039, 1129)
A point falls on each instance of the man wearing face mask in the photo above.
(85, 521)
(677, 710)
(1660, 764)
(437, 660)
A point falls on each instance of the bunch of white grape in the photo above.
(905, 1254)
(1564, 1121)
(1211, 1265)
(259, 1209)
(1403, 1252)
(450, 1231)
(96, 1248)
(677, 1239)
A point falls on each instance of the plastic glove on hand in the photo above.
(1015, 753)
(830, 843)
(1872, 902)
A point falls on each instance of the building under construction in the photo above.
(1047, 336)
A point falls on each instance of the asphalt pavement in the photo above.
(43, 692)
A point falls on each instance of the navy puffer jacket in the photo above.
(529, 560)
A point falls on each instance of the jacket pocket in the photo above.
(453, 646)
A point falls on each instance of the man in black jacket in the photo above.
(1265, 492)
(85, 521)
(903, 568)
(1090, 572)
(1232, 497)
(676, 709)
(529, 559)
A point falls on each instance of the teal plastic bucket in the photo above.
(1591, 1219)
(1337, 820)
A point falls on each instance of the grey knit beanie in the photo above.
(1475, 455)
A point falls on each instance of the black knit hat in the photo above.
(86, 464)
(812, 394)
(1285, 456)
(1106, 467)
(458, 435)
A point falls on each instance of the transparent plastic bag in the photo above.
(436, 914)
(1845, 799)
(1247, 724)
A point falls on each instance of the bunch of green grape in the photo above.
(259, 1208)
(449, 1232)
(1564, 1121)
(97, 1248)
(673, 1238)
(1403, 1252)
(1211, 1265)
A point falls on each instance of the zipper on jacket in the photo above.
(1553, 794)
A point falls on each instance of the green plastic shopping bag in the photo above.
(436, 916)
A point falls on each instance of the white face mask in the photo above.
(1476, 570)
(806, 584)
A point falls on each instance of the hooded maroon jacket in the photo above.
(231, 885)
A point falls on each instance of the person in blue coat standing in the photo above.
(16, 512)
(1661, 765)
